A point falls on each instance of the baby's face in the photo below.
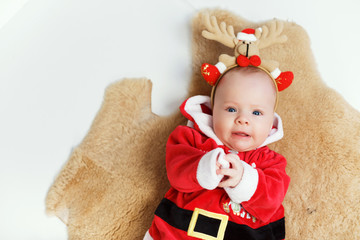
(243, 111)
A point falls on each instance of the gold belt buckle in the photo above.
(222, 227)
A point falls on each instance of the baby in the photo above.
(225, 182)
(243, 116)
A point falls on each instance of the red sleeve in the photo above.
(184, 149)
(272, 186)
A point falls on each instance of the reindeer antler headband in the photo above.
(246, 45)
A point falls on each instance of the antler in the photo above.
(221, 34)
(267, 37)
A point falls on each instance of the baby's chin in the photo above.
(243, 144)
(248, 145)
(244, 148)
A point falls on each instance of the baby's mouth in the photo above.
(241, 134)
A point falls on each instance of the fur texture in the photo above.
(115, 178)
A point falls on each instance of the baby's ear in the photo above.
(272, 125)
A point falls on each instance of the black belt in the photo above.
(207, 225)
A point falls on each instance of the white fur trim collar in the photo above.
(203, 120)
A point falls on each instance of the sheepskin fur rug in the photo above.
(114, 180)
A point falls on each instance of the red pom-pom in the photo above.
(284, 80)
(242, 61)
(210, 73)
(255, 60)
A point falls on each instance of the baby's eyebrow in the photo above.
(230, 103)
(256, 106)
(260, 108)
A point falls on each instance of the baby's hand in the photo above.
(232, 175)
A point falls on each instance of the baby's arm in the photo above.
(191, 160)
(262, 189)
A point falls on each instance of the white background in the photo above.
(57, 58)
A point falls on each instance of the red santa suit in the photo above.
(194, 208)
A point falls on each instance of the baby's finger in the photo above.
(226, 172)
(230, 182)
(233, 177)
(235, 162)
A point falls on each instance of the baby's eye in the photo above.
(257, 113)
(230, 109)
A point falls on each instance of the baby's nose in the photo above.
(243, 120)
